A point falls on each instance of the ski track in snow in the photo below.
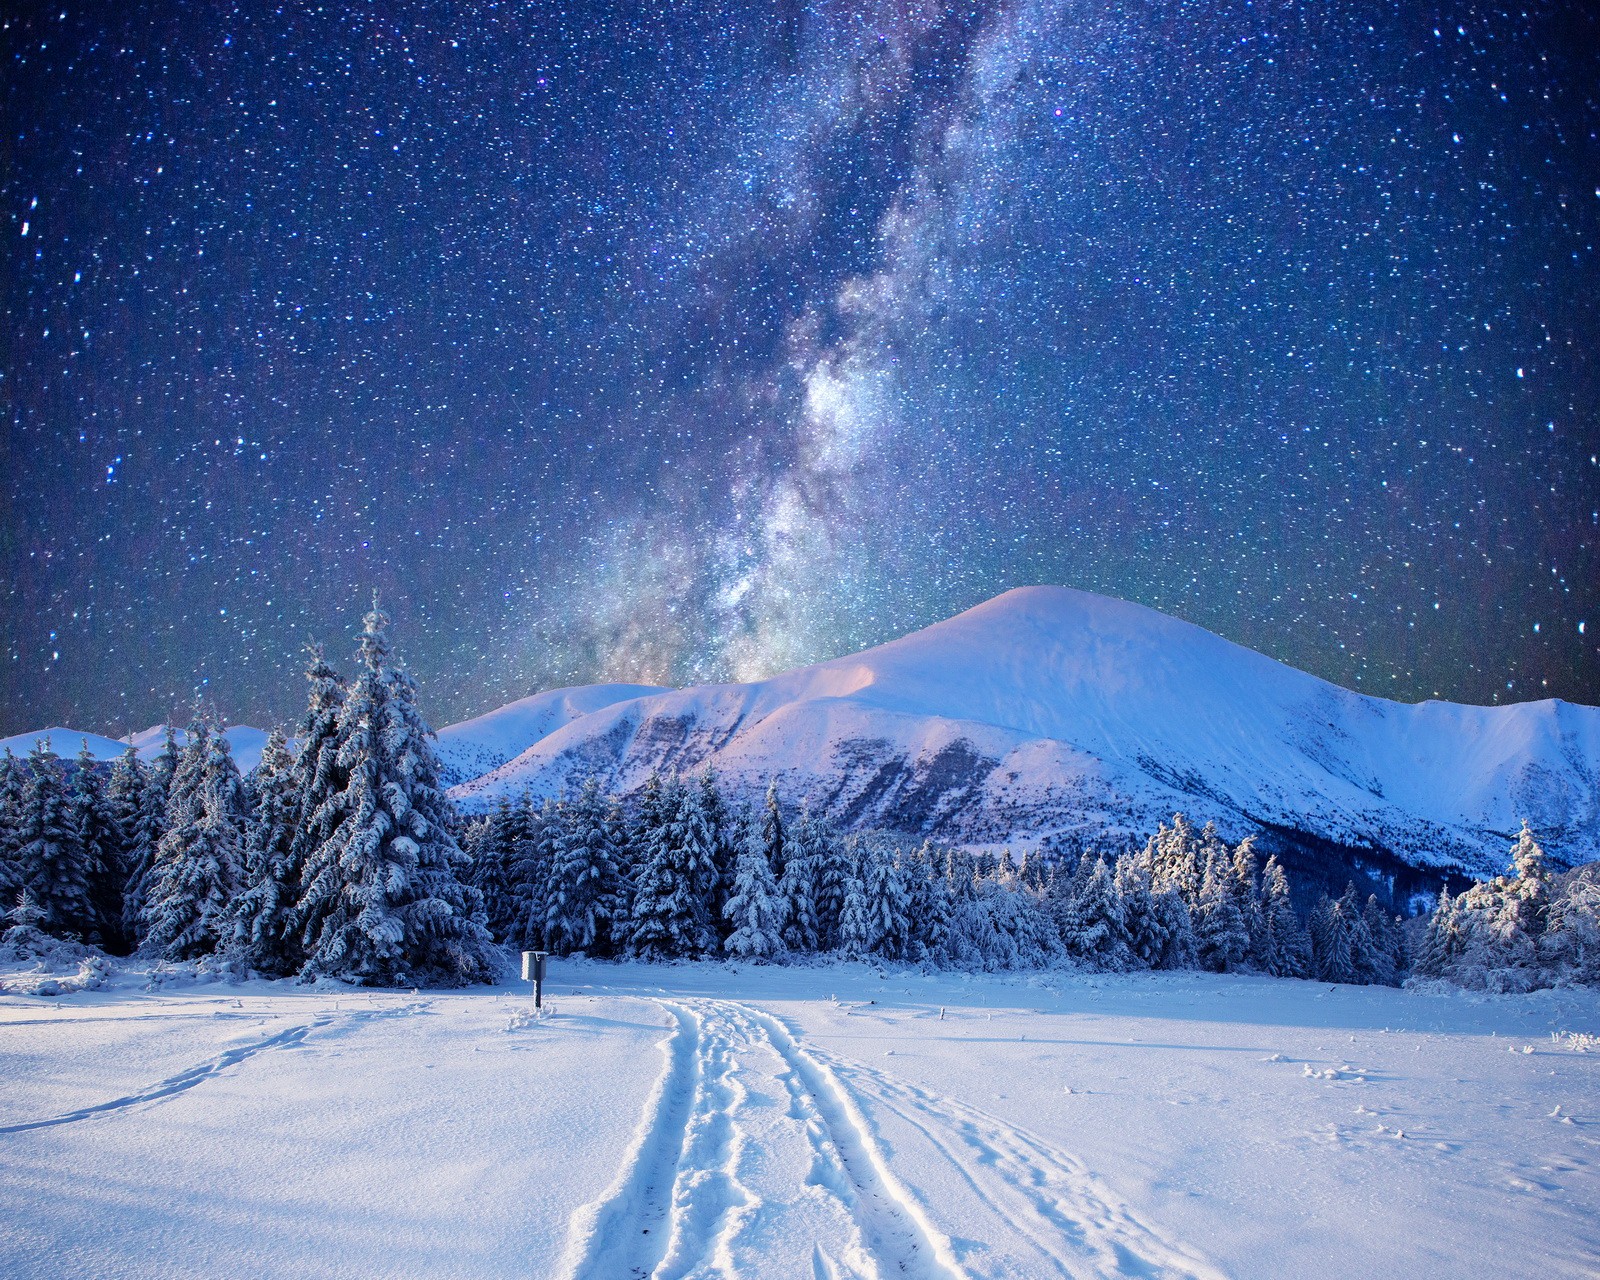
(1045, 1196)
(749, 1139)
(747, 1144)
(189, 1078)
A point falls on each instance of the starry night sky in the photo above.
(672, 342)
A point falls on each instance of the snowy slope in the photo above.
(245, 743)
(479, 746)
(1052, 712)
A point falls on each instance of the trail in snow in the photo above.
(755, 1158)
(1071, 1223)
(750, 1161)
(187, 1079)
(624, 1233)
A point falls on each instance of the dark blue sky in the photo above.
(676, 342)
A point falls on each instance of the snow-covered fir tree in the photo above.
(1284, 948)
(1146, 932)
(264, 912)
(100, 850)
(12, 781)
(582, 896)
(146, 838)
(1245, 887)
(801, 886)
(124, 809)
(929, 899)
(198, 865)
(530, 840)
(1174, 857)
(755, 909)
(54, 868)
(855, 915)
(1091, 920)
(496, 846)
(1221, 927)
(725, 844)
(317, 779)
(1570, 945)
(1492, 935)
(671, 901)
(384, 903)
(887, 901)
(1383, 964)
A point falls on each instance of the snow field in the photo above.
(704, 1120)
(308, 1135)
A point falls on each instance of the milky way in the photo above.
(672, 343)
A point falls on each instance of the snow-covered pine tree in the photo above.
(12, 879)
(1245, 886)
(1220, 927)
(699, 842)
(774, 835)
(930, 903)
(670, 918)
(100, 851)
(198, 865)
(724, 848)
(475, 838)
(1174, 856)
(383, 902)
(582, 896)
(888, 902)
(832, 871)
(1146, 931)
(1182, 948)
(124, 810)
(496, 845)
(1527, 898)
(1340, 945)
(317, 778)
(801, 885)
(1285, 950)
(531, 841)
(1496, 926)
(1570, 946)
(1436, 951)
(855, 914)
(1085, 916)
(264, 911)
(1021, 914)
(54, 868)
(150, 827)
(1382, 967)
(755, 908)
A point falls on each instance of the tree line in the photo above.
(335, 859)
(1517, 932)
(343, 857)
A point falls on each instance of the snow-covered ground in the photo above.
(707, 1120)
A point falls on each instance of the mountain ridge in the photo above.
(1050, 717)
(1053, 714)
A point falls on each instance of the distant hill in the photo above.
(1052, 715)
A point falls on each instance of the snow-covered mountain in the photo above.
(1048, 715)
(245, 743)
(1051, 713)
(483, 744)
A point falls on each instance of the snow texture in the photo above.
(700, 1120)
